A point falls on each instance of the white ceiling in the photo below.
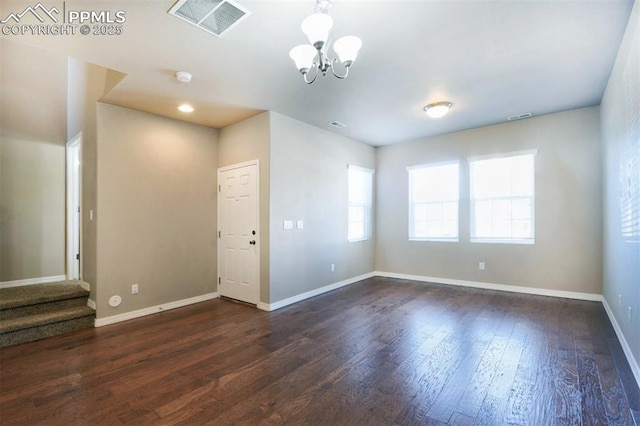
(492, 59)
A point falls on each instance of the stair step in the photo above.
(36, 320)
(15, 297)
(42, 308)
(49, 330)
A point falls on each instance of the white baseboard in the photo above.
(491, 286)
(91, 303)
(633, 363)
(31, 281)
(309, 294)
(85, 285)
(100, 322)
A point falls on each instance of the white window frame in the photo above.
(412, 236)
(366, 205)
(472, 200)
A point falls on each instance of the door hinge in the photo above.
(219, 234)
(219, 280)
(78, 209)
(78, 256)
(219, 188)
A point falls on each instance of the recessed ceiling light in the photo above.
(185, 108)
(183, 76)
(438, 109)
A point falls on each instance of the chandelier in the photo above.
(307, 56)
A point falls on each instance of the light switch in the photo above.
(288, 224)
(300, 224)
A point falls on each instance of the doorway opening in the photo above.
(74, 186)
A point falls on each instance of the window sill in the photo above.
(501, 241)
(438, 240)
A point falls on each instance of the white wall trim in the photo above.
(32, 281)
(491, 286)
(255, 162)
(91, 303)
(85, 285)
(309, 294)
(100, 322)
(633, 363)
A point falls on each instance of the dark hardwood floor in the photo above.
(381, 351)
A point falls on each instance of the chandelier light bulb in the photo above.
(303, 56)
(316, 27)
(347, 48)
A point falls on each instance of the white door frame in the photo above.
(258, 245)
(74, 207)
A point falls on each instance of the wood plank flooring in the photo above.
(378, 352)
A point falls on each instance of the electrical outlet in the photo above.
(629, 313)
(333, 267)
(481, 266)
(134, 289)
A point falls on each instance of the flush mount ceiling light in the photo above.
(183, 76)
(438, 109)
(317, 28)
(186, 108)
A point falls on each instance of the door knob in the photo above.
(252, 242)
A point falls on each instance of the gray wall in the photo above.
(33, 135)
(87, 83)
(156, 209)
(620, 112)
(246, 141)
(567, 250)
(309, 183)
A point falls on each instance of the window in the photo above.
(360, 200)
(502, 199)
(433, 202)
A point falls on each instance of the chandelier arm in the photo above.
(304, 76)
(341, 77)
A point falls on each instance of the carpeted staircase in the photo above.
(38, 311)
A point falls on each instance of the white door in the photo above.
(238, 236)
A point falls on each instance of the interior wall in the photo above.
(567, 250)
(87, 83)
(309, 183)
(32, 162)
(620, 114)
(156, 207)
(246, 141)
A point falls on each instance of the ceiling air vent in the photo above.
(214, 16)
(519, 117)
